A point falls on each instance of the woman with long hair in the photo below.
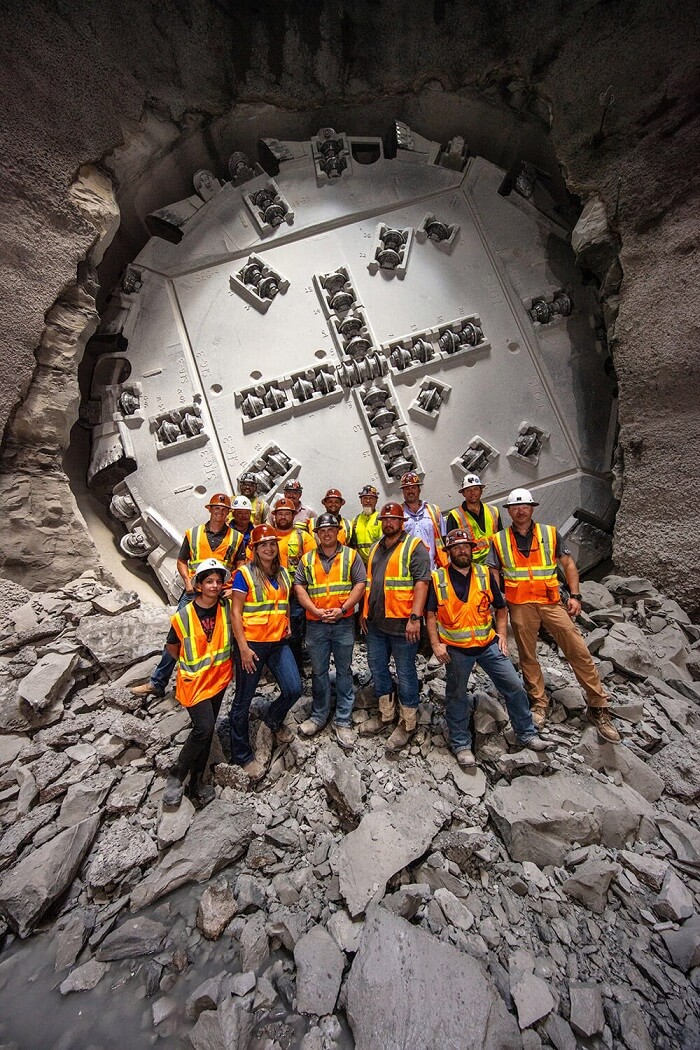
(200, 641)
(260, 622)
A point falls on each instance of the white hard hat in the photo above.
(521, 497)
(241, 503)
(211, 565)
(471, 479)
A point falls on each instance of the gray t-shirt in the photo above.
(357, 568)
(419, 567)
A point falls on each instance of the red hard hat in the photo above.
(333, 494)
(391, 510)
(260, 533)
(411, 478)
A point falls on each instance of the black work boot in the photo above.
(174, 790)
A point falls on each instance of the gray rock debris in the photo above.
(532, 997)
(385, 842)
(320, 963)
(610, 758)
(216, 908)
(342, 782)
(49, 682)
(590, 883)
(139, 633)
(84, 977)
(229, 1027)
(41, 877)
(173, 823)
(218, 836)
(678, 768)
(586, 1017)
(120, 848)
(135, 937)
(407, 989)
(682, 837)
(540, 819)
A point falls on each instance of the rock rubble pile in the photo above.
(547, 900)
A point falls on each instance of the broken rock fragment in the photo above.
(385, 842)
(407, 989)
(320, 964)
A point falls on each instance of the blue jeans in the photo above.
(277, 656)
(459, 702)
(297, 625)
(163, 672)
(380, 648)
(322, 640)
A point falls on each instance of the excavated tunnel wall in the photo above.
(112, 107)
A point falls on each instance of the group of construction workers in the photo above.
(261, 583)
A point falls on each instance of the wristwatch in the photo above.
(576, 597)
(413, 617)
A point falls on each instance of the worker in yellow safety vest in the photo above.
(529, 554)
(459, 621)
(483, 520)
(248, 487)
(366, 528)
(200, 641)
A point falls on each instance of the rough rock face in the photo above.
(395, 998)
(486, 75)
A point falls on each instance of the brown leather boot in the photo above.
(387, 713)
(600, 717)
(405, 729)
(539, 714)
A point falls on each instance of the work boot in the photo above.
(173, 792)
(145, 689)
(600, 717)
(539, 714)
(534, 743)
(465, 758)
(387, 713)
(405, 728)
(201, 794)
(283, 735)
(345, 737)
(254, 770)
(309, 728)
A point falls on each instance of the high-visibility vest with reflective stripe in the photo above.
(464, 624)
(204, 667)
(328, 590)
(532, 578)
(266, 608)
(343, 532)
(292, 544)
(398, 582)
(469, 522)
(200, 549)
(366, 530)
(260, 510)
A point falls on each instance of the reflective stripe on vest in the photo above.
(259, 511)
(398, 582)
(200, 549)
(532, 578)
(292, 545)
(366, 530)
(343, 532)
(442, 558)
(204, 667)
(266, 608)
(464, 624)
(469, 522)
(328, 591)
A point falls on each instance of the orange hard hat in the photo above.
(333, 494)
(284, 504)
(219, 499)
(391, 510)
(260, 533)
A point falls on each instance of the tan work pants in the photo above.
(525, 620)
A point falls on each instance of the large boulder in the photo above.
(385, 842)
(217, 837)
(49, 681)
(343, 783)
(320, 963)
(539, 819)
(116, 644)
(407, 989)
(629, 650)
(40, 878)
